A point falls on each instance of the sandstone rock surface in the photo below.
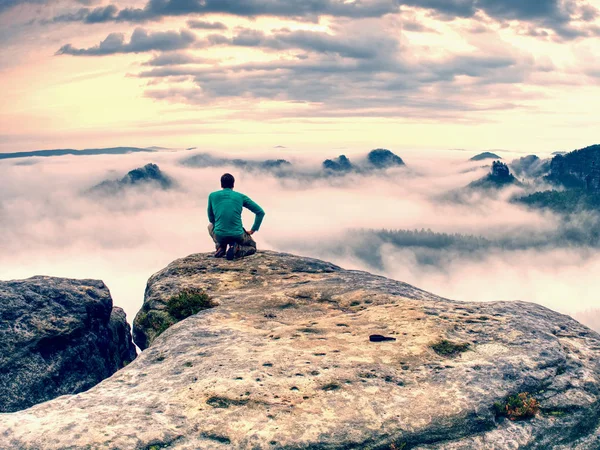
(285, 361)
(57, 337)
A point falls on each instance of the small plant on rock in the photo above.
(188, 302)
(518, 407)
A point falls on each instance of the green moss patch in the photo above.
(447, 348)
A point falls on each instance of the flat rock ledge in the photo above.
(285, 361)
(57, 337)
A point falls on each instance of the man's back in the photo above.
(225, 211)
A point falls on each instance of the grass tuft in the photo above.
(188, 302)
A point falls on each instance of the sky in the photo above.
(251, 75)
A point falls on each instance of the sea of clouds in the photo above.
(51, 225)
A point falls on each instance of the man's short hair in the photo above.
(227, 181)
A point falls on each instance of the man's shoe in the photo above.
(220, 252)
(232, 251)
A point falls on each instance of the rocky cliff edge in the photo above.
(296, 353)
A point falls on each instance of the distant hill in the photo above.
(68, 151)
(578, 169)
(150, 174)
(207, 160)
(577, 176)
(498, 178)
(564, 202)
(485, 155)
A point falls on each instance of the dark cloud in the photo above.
(202, 25)
(97, 15)
(415, 26)
(156, 9)
(557, 15)
(5, 5)
(141, 41)
(101, 14)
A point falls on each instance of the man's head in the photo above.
(227, 181)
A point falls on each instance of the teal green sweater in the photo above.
(225, 212)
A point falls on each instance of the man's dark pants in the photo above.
(246, 246)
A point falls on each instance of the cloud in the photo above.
(202, 25)
(176, 59)
(141, 41)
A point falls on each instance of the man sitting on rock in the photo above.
(225, 217)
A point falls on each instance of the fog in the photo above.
(51, 226)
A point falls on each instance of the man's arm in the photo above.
(260, 213)
(211, 213)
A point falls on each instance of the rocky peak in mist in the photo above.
(485, 155)
(500, 171)
(378, 159)
(382, 159)
(149, 175)
(499, 177)
(287, 340)
(340, 164)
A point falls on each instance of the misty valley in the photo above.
(482, 228)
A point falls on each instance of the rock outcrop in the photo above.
(383, 159)
(149, 175)
(57, 337)
(296, 353)
(341, 164)
(498, 178)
